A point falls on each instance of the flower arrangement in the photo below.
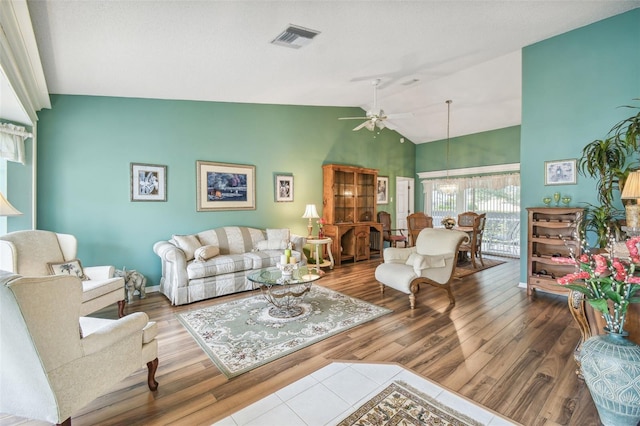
(607, 282)
(321, 222)
(448, 222)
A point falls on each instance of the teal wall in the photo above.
(489, 148)
(572, 86)
(86, 145)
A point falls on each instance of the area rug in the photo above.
(467, 268)
(240, 335)
(400, 404)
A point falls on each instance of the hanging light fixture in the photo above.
(448, 187)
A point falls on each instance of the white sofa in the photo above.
(217, 261)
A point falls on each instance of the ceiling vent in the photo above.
(295, 37)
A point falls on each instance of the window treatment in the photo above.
(12, 142)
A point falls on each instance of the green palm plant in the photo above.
(601, 220)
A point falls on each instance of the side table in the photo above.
(318, 242)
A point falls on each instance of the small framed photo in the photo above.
(383, 190)
(222, 186)
(560, 172)
(283, 187)
(148, 182)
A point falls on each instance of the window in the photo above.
(496, 195)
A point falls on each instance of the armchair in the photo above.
(432, 261)
(387, 233)
(52, 361)
(28, 253)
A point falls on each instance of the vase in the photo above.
(320, 233)
(610, 365)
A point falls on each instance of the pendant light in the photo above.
(448, 187)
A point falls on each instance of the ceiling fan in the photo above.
(374, 117)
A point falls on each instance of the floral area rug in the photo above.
(400, 404)
(240, 335)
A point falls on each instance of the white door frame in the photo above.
(404, 184)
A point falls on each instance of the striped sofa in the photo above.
(216, 262)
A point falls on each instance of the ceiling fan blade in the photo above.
(360, 126)
(400, 115)
(353, 118)
(370, 125)
(380, 124)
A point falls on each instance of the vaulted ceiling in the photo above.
(424, 52)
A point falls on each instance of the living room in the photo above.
(572, 86)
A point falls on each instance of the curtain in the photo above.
(12, 142)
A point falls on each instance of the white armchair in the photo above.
(52, 361)
(431, 261)
(29, 253)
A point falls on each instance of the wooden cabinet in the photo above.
(349, 209)
(551, 233)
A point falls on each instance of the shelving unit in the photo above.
(551, 233)
(349, 208)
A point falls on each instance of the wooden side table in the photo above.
(318, 242)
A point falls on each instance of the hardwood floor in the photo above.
(505, 351)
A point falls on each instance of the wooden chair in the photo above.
(474, 247)
(384, 219)
(466, 219)
(416, 222)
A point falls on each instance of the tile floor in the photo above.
(330, 394)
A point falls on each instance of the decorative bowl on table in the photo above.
(287, 268)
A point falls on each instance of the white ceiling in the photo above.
(467, 51)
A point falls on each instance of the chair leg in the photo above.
(381, 288)
(65, 423)
(151, 378)
(121, 304)
(412, 301)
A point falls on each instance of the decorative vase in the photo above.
(610, 365)
(320, 233)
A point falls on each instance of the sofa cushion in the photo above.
(205, 253)
(222, 264)
(232, 239)
(188, 244)
(271, 245)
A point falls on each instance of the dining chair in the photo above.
(384, 218)
(416, 222)
(474, 246)
(466, 219)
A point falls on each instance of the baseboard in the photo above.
(522, 285)
(152, 289)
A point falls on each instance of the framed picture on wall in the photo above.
(223, 186)
(383, 190)
(283, 187)
(148, 182)
(560, 172)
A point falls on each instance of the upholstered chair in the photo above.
(431, 261)
(30, 253)
(53, 362)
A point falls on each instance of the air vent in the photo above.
(295, 37)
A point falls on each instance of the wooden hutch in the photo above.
(349, 209)
(551, 232)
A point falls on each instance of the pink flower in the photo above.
(569, 278)
(621, 272)
(633, 280)
(564, 260)
(632, 246)
(601, 264)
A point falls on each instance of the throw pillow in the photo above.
(278, 235)
(420, 262)
(205, 253)
(188, 243)
(271, 245)
(72, 267)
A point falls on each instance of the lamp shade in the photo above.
(631, 190)
(6, 209)
(310, 212)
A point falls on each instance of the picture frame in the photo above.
(225, 186)
(382, 190)
(283, 187)
(560, 172)
(148, 182)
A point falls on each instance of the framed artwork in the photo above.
(560, 172)
(383, 190)
(222, 186)
(148, 182)
(283, 187)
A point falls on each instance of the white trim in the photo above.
(499, 168)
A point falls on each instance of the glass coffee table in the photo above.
(285, 291)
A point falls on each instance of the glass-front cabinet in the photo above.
(349, 210)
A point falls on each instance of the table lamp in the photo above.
(631, 191)
(6, 209)
(310, 213)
